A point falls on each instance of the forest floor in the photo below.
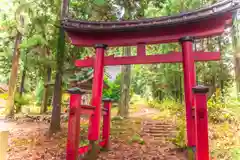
(136, 138)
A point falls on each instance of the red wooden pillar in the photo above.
(94, 129)
(74, 124)
(189, 82)
(201, 116)
(107, 123)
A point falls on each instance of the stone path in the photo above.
(160, 135)
(157, 136)
(157, 130)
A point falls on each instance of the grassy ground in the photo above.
(224, 126)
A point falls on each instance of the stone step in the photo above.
(158, 141)
(171, 158)
(160, 131)
(159, 128)
(159, 125)
(158, 135)
(156, 123)
(166, 138)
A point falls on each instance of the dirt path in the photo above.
(144, 112)
(29, 140)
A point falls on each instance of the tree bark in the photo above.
(22, 81)
(236, 46)
(125, 86)
(56, 111)
(13, 77)
(46, 90)
(57, 94)
(221, 67)
(23, 76)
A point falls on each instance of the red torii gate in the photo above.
(206, 22)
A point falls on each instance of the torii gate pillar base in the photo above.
(93, 152)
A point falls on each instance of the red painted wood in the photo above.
(193, 83)
(141, 50)
(202, 146)
(102, 143)
(88, 110)
(106, 124)
(94, 129)
(188, 63)
(173, 57)
(73, 127)
(84, 149)
(165, 34)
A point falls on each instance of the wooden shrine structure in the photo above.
(183, 28)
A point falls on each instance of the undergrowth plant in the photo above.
(136, 138)
(20, 101)
(219, 109)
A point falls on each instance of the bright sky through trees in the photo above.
(5, 5)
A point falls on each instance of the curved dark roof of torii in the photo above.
(220, 10)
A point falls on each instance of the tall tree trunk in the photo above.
(23, 77)
(57, 94)
(236, 46)
(46, 90)
(22, 82)
(221, 67)
(21, 89)
(56, 111)
(125, 86)
(13, 77)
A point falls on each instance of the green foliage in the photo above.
(113, 92)
(20, 101)
(39, 92)
(117, 118)
(49, 108)
(179, 140)
(99, 2)
(35, 40)
(235, 153)
(136, 138)
(218, 110)
(167, 104)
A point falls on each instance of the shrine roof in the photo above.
(208, 12)
(83, 79)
